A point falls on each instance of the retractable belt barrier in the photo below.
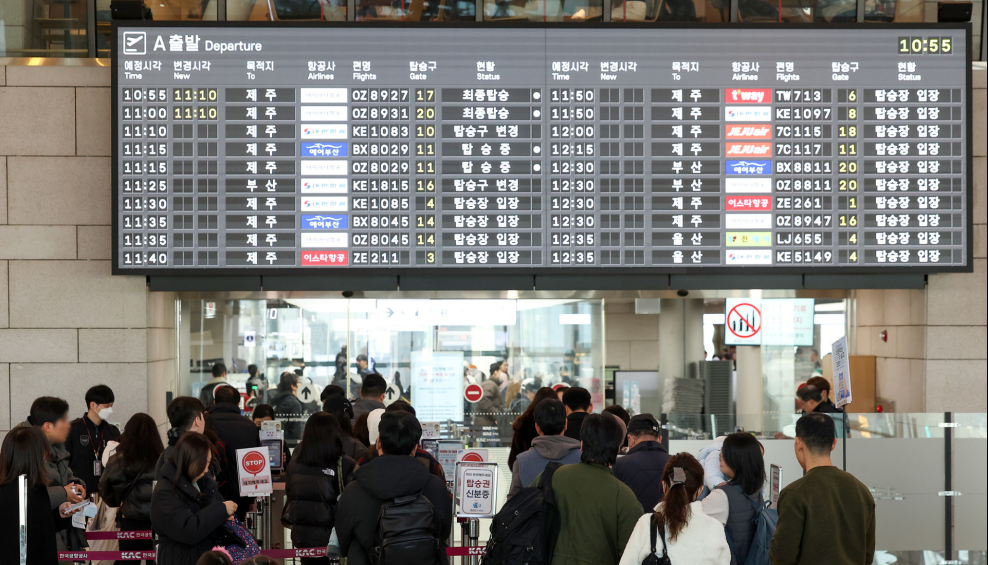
(150, 555)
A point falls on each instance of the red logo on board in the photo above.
(325, 258)
(748, 132)
(748, 149)
(748, 95)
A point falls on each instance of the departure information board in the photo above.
(602, 149)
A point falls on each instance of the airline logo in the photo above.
(748, 221)
(324, 149)
(327, 204)
(323, 113)
(751, 131)
(324, 167)
(741, 167)
(325, 258)
(325, 222)
(749, 257)
(326, 186)
(325, 95)
(324, 131)
(748, 203)
(748, 95)
(748, 186)
(748, 239)
(331, 240)
(747, 149)
(747, 114)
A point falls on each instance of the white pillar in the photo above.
(750, 387)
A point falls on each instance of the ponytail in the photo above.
(683, 478)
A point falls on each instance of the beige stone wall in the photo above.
(631, 340)
(65, 323)
(936, 357)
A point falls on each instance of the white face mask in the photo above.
(104, 413)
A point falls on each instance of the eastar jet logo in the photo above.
(748, 132)
(749, 95)
(748, 149)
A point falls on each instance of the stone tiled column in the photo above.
(65, 322)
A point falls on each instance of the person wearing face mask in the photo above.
(187, 511)
(89, 435)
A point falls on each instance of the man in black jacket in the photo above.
(394, 474)
(236, 432)
(287, 407)
(185, 414)
(641, 469)
(579, 405)
(88, 436)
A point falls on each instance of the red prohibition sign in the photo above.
(741, 326)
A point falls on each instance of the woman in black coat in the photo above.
(316, 475)
(524, 426)
(24, 452)
(187, 510)
(128, 479)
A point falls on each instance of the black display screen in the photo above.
(253, 149)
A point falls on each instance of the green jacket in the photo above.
(825, 518)
(597, 515)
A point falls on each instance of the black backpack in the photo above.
(524, 532)
(407, 533)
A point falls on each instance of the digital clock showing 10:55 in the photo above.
(925, 45)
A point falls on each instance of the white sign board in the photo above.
(447, 452)
(250, 338)
(478, 491)
(842, 373)
(743, 322)
(254, 471)
(787, 321)
(437, 385)
(447, 312)
(392, 395)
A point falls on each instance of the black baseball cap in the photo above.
(644, 422)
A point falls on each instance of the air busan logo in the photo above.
(749, 95)
(748, 132)
(749, 167)
(748, 149)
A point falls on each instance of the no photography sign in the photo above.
(743, 324)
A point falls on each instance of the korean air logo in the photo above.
(135, 43)
(749, 167)
(748, 113)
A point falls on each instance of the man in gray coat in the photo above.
(550, 446)
(51, 416)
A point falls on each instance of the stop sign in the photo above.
(473, 393)
(254, 463)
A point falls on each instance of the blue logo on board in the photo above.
(749, 167)
(324, 149)
(325, 222)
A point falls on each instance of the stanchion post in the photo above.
(22, 516)
(473, 529)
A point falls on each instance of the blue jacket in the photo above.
(641, 469)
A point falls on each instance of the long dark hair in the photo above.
(191, 456)
(743, 454)
(320, 446)
(140, 444)
(24, 452)
(360, 431)
(683, 478)
(529, 413)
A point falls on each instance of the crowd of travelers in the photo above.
(587, 488)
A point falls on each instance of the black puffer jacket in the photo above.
(641, 469)
(288, 408)
(129, 492)
(185, 518)
(311, 506)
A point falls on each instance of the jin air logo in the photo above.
(135, 43)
